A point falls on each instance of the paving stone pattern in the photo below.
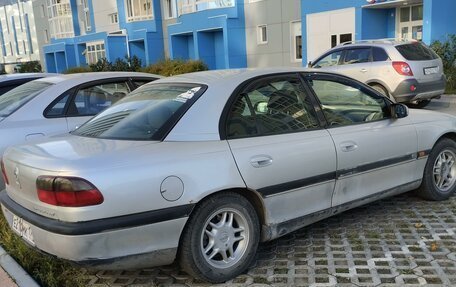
(401, 241)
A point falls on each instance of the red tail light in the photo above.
(5, 178)
(67, 191)
(403, 68)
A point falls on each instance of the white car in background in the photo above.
(59, 104)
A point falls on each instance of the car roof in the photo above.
(378, 43)
(231, 76)
(94, 76)
(19, 76)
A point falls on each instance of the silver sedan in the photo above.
(202, 167)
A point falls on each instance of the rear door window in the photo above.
(272, 105)
(416, 52)
(379, 55)
(91, 100)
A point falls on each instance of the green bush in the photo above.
(78, 70)
(103, 65)
(170, 67)
(447, 51)
(30, 67)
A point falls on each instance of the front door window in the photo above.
(411, 22)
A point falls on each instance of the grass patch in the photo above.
(47, 271)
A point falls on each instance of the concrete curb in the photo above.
(15, 271)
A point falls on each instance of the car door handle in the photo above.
(261, 161)
(348, 146)
(363, 70)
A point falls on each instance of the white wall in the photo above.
(101, 10)
(320, 27)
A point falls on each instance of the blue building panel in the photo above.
(439, 20)
(215, 36)
(116, 47)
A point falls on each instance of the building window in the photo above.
(296, 41)
(170, 9)
(262, 34)
(60, 18)
(43, 11)
(95, 51)
(46, 36)
(410, 22)
(86, 11)
(114, 18)
(138, 10)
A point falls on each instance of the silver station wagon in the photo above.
(202, 167)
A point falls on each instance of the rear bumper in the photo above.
(424, 91)
(99, 243)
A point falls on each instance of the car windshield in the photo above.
(16, 98)
(416, 52)
(147, 114)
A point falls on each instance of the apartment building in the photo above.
(222, 33)
(18, 39)
(327, 23)
(85, 31)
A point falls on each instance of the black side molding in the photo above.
(95, 226)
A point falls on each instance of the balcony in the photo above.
(191, 6)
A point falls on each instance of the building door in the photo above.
(410, 22)
(328, 29)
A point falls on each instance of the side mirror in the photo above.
(399, 111)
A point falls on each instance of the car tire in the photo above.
(439, 178)
(220, 239)
(382, 90)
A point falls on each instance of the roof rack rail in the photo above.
(379, 41)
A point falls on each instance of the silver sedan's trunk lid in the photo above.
(64, 156)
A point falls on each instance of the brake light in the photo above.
(67, 191)
(403, 68)
(5, 178)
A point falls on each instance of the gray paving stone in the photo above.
(401, 241)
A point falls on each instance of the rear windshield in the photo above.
(146, 114)
(17, 97)
(417, 52)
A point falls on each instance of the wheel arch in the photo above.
(448, 135)
(252, 196)
(379, 83)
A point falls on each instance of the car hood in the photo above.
(65, 153)
(420, 116)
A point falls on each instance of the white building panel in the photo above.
(321, 27)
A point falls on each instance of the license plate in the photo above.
(23, 228)
(431, 70)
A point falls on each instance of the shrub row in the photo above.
(165, 67)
